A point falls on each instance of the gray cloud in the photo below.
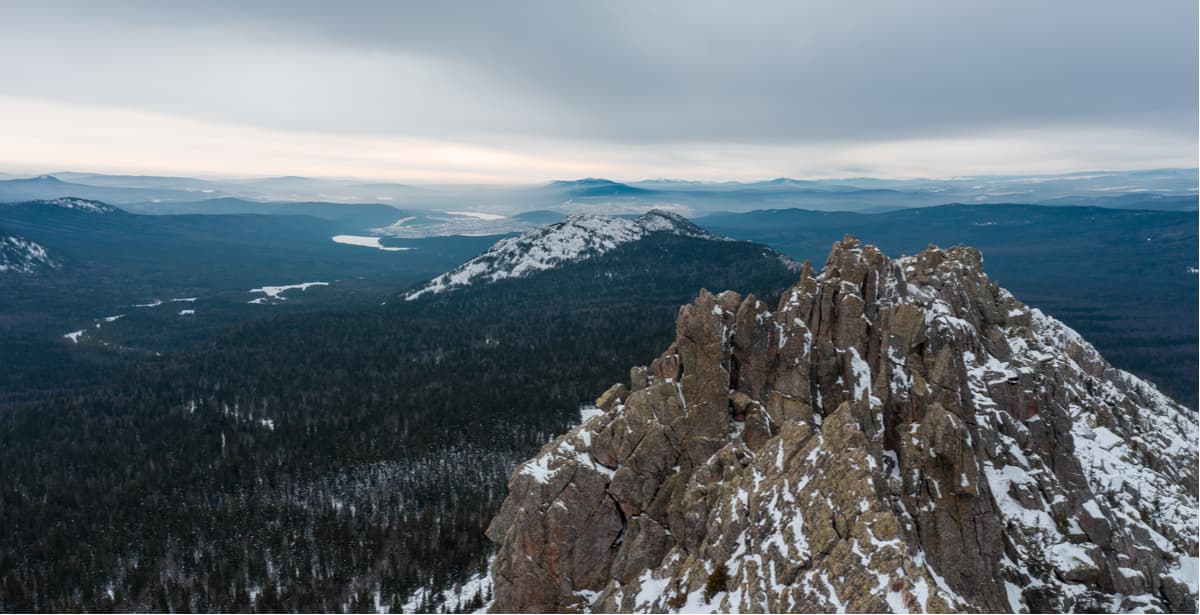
(779, 73)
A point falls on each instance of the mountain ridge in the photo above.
(69, 202)
(897, 435)
(577, 238)
(1121, 189)
(20, 255)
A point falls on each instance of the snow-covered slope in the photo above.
(572, 240)
(20, 255)
(90, 206)
(460, 223)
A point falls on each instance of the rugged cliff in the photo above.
(897, 435)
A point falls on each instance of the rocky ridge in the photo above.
(20, 255)
(577, 238)
(897, 435)
(78, 204)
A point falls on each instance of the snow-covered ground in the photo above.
(157, 302)
(75, 336)
(478, 214)
(587, 411)
(454, 598)
(275, 293)
(366, 242)
(20, 255)
(94, 207)
(462, 223)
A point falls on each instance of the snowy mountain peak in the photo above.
(20, 255)
(79, 204)
(658, 220)
(577, 238)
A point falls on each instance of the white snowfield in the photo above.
(366, 242)
(478, 584)
(478, 214)
(20, 255)
(451, 223)
(276, 292)
(574, 239)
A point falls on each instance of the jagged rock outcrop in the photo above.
(897, 435)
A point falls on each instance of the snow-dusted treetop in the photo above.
(577, 238)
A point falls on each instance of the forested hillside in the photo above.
(143, 270)
(325, 462)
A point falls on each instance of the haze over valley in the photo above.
(560, 307)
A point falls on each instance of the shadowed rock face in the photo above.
(897, 435)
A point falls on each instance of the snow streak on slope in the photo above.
(93, 207)
(20, 255)
(366, 242)
(451, 223)
(574, 239)
(275, 293)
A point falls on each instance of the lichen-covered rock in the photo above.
(897, 435)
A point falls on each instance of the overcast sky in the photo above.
(516, 92)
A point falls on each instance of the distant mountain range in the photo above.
(1160, 189)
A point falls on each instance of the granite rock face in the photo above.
(896, 435)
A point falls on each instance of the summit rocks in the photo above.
(895, 435)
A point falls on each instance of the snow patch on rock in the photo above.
(20, 255)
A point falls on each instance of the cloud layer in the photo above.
(526, 91)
